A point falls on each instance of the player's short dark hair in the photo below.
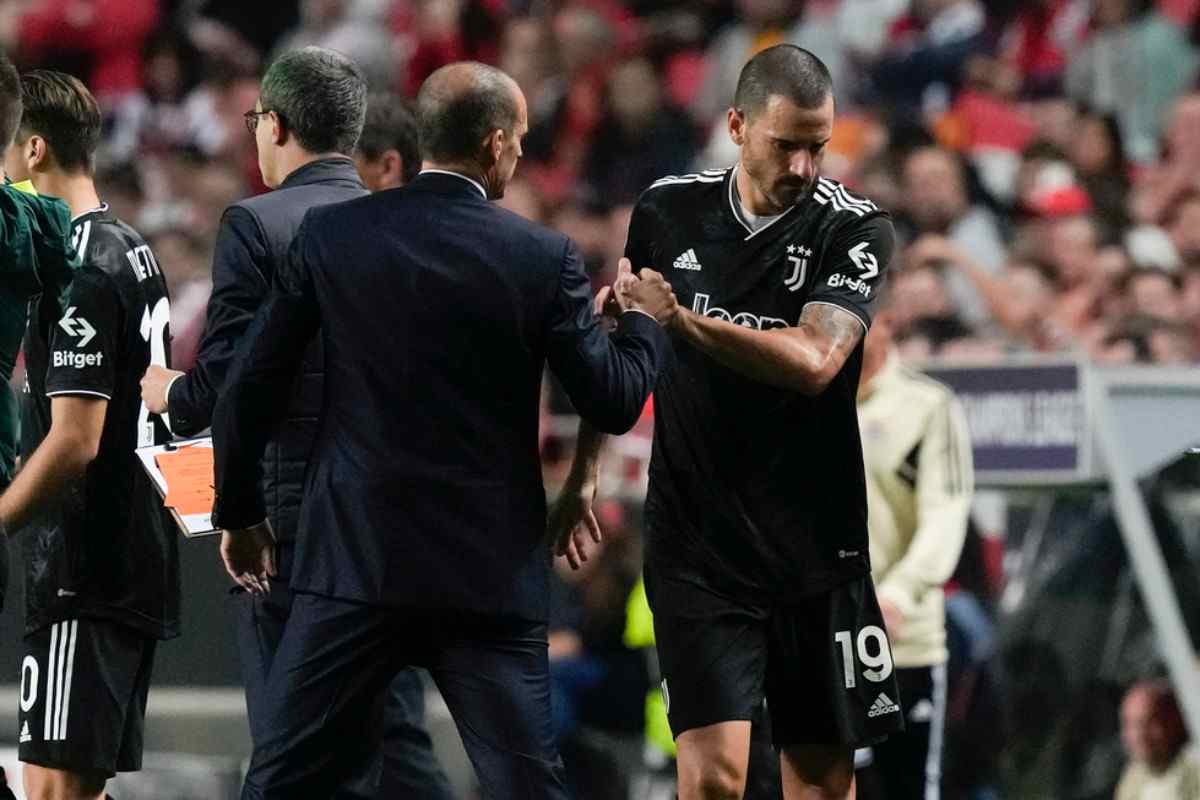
(61, 110)
(785, 70)
(391, 125)
(10, 101)
(320, 96)
(455, 116)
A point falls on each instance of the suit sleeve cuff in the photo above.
(639, 311)
(235, 513)
(167, 400)
(170, 386)
(634, 321)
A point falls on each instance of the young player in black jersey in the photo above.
(757, 565)
(101, 566)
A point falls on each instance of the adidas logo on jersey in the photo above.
(687, 260)
(883, 705)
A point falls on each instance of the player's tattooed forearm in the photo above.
(836, 325)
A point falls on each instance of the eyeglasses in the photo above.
(251, 118)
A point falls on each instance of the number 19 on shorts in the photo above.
(874, 655)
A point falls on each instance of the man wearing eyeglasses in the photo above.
(306, 125)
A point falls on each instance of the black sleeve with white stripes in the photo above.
(83, 343)
(852, 270)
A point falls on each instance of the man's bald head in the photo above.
(458, 107)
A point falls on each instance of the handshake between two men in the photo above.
(648, 293)
(572, 522)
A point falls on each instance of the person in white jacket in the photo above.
(920, 480)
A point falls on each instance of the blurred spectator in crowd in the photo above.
(1020, 300)
(1161, 765)
(1141, 339)
(388, 155)
(1040, 161)
(1069, 246)
(357, 28)
(1153, 293)
(1098, 156)
(1178, 173)
(639, 139)
(1133, 64)
(921, 69)
(255, 25)
(434, 33)
(1183, 226)
(168, 111)
(100, 41)
(935, 200)
(918, 293)
(578, 45)
(1041, 39)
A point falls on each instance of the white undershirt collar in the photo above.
(470, 180)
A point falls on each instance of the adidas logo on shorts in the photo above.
(882, 705)
(687, 260)
(25, 737)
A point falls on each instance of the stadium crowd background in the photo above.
(1041, 159)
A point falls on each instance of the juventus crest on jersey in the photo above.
(764, 481)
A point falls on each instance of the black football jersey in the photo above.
(105, 548)
(760, 487)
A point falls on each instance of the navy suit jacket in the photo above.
(254, 238)
(437, 311)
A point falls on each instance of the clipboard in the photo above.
(185, 482)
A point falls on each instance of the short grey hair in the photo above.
(321, 97)
(455, 115)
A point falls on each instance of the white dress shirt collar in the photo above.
(472, 181)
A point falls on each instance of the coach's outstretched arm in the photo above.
(808, 357)
(608, 378)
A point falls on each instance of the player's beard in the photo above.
(787, 193)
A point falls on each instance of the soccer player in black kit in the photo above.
(101, 565)
(757, 565)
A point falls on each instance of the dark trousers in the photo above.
(337, 658)
(908, 766)
(397, 759)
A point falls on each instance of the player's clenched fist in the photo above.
(653, 295)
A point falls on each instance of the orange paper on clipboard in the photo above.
(189, 475)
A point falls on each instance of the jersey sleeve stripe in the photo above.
(829, 189)
(78, 391)
(672, 180)
(837, 205)
(848, 200)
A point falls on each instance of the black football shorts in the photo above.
(83, 696)
(823, 663)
